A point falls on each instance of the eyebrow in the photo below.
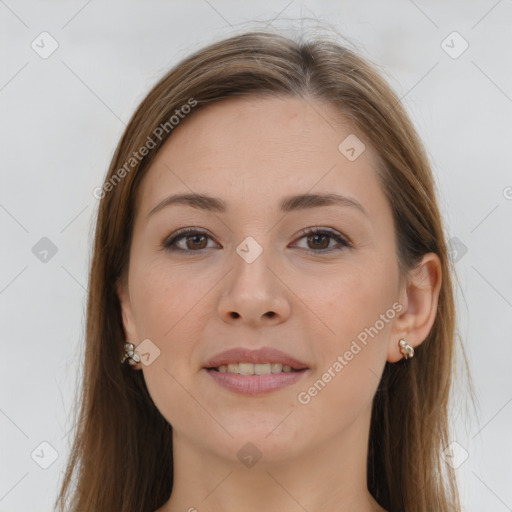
(287, 204)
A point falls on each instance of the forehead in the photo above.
(251, 150)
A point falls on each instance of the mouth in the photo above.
(255, 372)
(254, 384)
(262, 361)
(255, 368)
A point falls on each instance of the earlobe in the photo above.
(421, 292)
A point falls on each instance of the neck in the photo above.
(330, 477)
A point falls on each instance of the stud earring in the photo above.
(406, 349)
(130, 354)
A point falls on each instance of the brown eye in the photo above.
(318, 241)
(194, 241)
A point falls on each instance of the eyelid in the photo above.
(342, 240)
(325, 230)
(182, 233)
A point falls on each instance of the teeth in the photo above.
(254, 369)
(262, 369)
(246, 368)
(276, 367)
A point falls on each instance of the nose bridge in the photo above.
(251, 263)
(254, 290)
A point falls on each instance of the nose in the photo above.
(255, 293)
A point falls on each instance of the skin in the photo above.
(251, 152)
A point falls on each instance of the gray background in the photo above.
(62, 116)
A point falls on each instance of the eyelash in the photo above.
(168, 244)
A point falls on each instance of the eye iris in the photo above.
(194, 237)
(325, 237)
(318, 241)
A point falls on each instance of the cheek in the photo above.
(357, 314)
(351, 361)
(166, 298)
(171, 312)
(351, 299)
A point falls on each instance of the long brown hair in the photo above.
(121, 458)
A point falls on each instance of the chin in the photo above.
(268, 440)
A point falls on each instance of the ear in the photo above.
(130, 330)
(419, 297)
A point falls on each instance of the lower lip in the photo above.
(255, 384)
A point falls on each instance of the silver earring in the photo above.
(130, 354)
(406, 349)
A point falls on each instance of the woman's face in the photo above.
(252, 278)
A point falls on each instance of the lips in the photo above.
(259, 356)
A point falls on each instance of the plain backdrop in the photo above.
(61, 116)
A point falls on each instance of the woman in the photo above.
(271, 320)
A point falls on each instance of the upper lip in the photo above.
(261, 355)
